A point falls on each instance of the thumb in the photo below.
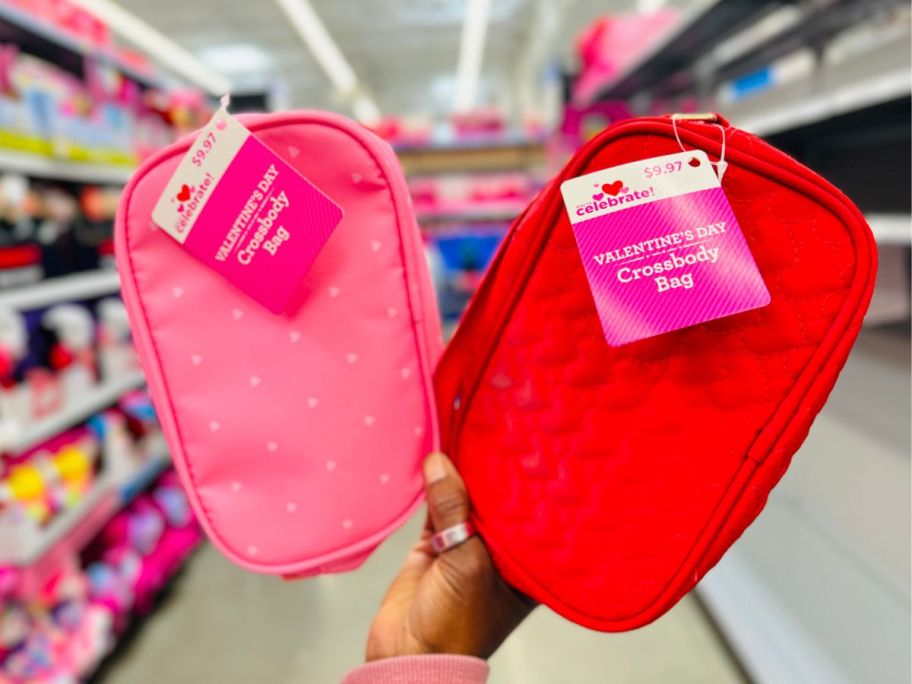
(448, 501)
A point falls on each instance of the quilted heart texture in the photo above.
(607, 481)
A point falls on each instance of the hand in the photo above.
(453, 603)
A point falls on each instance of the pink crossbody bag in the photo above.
(298, 436)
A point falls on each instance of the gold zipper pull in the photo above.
(708, 117)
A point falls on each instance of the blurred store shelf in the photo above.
(24, 546)
(39, 166)
(703, 26)
(16, 438)
(877, 75)
(71, 288)
(39, 37)
(495, 155)
(891, 229)
(471, 215)
(816, 26)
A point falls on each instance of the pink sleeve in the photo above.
(440, 669)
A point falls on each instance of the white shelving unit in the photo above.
(891, 229)
(16, 439)
(828, 104)
(71, 288)
(58, 169)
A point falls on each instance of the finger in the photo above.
(448, 501)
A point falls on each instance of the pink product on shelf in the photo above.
(335, 396)
(479, 122)
(172, 550)
(612, 44)
(140, 527)
(68, 16)
(471, 193)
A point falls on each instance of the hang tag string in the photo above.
(720, 165)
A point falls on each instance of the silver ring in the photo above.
(452, 536)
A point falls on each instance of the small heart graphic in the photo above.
(625, 190)
(272, 446)
(235, 486)
(180, 208)
(384, 478)
(369, 420)
(334, 292)
(196, 359)
(347, 524)
(375, 245)
(392, 312)
(613, 188)
(237, 314)
(221, 124)
(330, 465)
(351, 358)
(312, 402)
(694, 162)
(184, 193)
(294, 152)
(291, 507)
(294, 336)
(255, 380)
(597, 196)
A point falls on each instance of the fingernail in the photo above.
(434, 468)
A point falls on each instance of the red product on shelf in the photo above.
(605, 480)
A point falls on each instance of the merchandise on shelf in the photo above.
(116, 356)
(459, 197)
(50, 230)
(62, 629)
(611, 44)
(105, 118)
(50, 478)
(68, 17)
(51, 358)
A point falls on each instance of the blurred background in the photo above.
(103, 573)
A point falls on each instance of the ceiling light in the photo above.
(157, 46)
(328, 55)
(237, 58)
(471, 53)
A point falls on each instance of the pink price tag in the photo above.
(246, 213)
(661, 247)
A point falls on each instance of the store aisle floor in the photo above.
(227, 626)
